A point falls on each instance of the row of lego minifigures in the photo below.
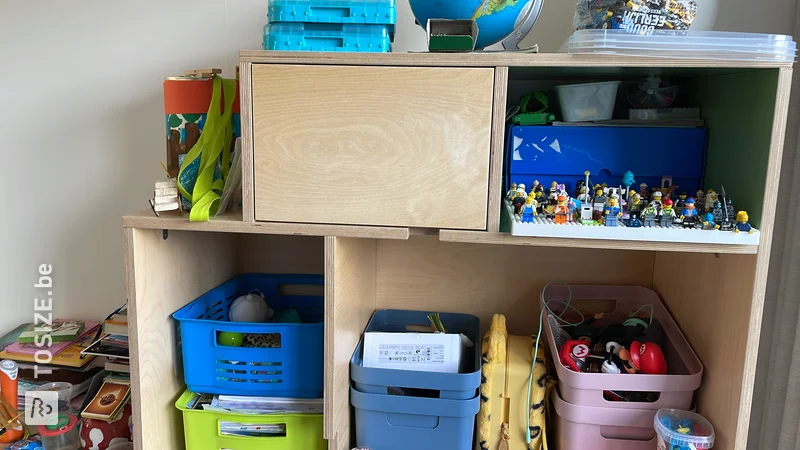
(623, 206)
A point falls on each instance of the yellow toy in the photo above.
(506, 410)
(742, 223)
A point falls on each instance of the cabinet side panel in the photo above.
(711, 299)
(163, 276)
(350, 266)
(498, 148)
(246, 99)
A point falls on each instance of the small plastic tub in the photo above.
(682, 430)
(64, 391)
(588, 102)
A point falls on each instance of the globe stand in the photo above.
(524, 27)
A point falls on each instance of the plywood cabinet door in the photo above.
(392, 146)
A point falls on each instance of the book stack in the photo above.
(330, 25)
(112, 342)
(67, 338)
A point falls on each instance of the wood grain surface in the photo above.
(349, 303)
(162, 277)
(390, 146)
(711, 299)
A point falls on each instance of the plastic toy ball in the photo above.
(230, 339)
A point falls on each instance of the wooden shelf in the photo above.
(233, 223)
(473, 237)
(492, 59)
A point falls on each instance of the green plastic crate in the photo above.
(201, 428)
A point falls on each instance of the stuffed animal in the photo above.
(505, 374)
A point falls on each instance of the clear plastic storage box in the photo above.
(716, 45)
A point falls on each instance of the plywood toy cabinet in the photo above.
(383, 172)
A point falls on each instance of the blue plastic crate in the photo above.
(326, 37)
(564, 153)
(390, 422)
(463, 385)
(377, 12)
(295, 369)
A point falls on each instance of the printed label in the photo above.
(41, 408)
(411, 353)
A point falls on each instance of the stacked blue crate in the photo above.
(330, 25)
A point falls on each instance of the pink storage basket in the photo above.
(685, 372)
(596, 428)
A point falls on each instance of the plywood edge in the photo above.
(497, 148)
(233, 223)
(248, 181)
(133, 331)
(478, 237)
(350, 291)
(489, 59)
(762, 262)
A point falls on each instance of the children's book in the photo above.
(69, 357)
(56, 348)
(60, 330)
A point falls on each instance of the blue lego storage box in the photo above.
(659, 157)
(326, 37)
(376, 12)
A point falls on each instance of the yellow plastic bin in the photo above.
(202, 429)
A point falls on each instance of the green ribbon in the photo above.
(213, 142)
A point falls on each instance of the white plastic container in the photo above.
(677, 429)
(588, 102)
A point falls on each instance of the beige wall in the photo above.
(82, 126)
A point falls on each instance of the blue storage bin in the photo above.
(377, 12)
(463, 385)
(295, 369)
(326, 37)
(564, 153)
(389, 422)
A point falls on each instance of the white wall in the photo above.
(82, 122)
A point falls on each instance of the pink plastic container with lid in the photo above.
(685, 372)
(597, 428)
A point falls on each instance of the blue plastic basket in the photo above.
(295, 369)
(462, 385)
(377, 12)
(388, 422)
(326, 37)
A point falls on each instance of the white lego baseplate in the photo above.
(542, 227)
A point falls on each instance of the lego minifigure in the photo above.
(679, 204)
(579, 185)
(711, 198)
(708, 222)
(634, 222)
(717, 212)
(512, 192)
(612, 213)
(605, 189)
(518, 202)
(561, 210)
(529, 209)
(700, 200)
(644, 191)
(689, 213)
(599, 204)
(636, 205)
(584, 196)
(742, 223)
(536, 186)
(521, 190)
(656, 201)
(650, 214)
(667, 214)
(540, 200)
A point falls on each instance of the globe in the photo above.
(496, 19)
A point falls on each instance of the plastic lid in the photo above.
(684, 429)
(66, 422)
